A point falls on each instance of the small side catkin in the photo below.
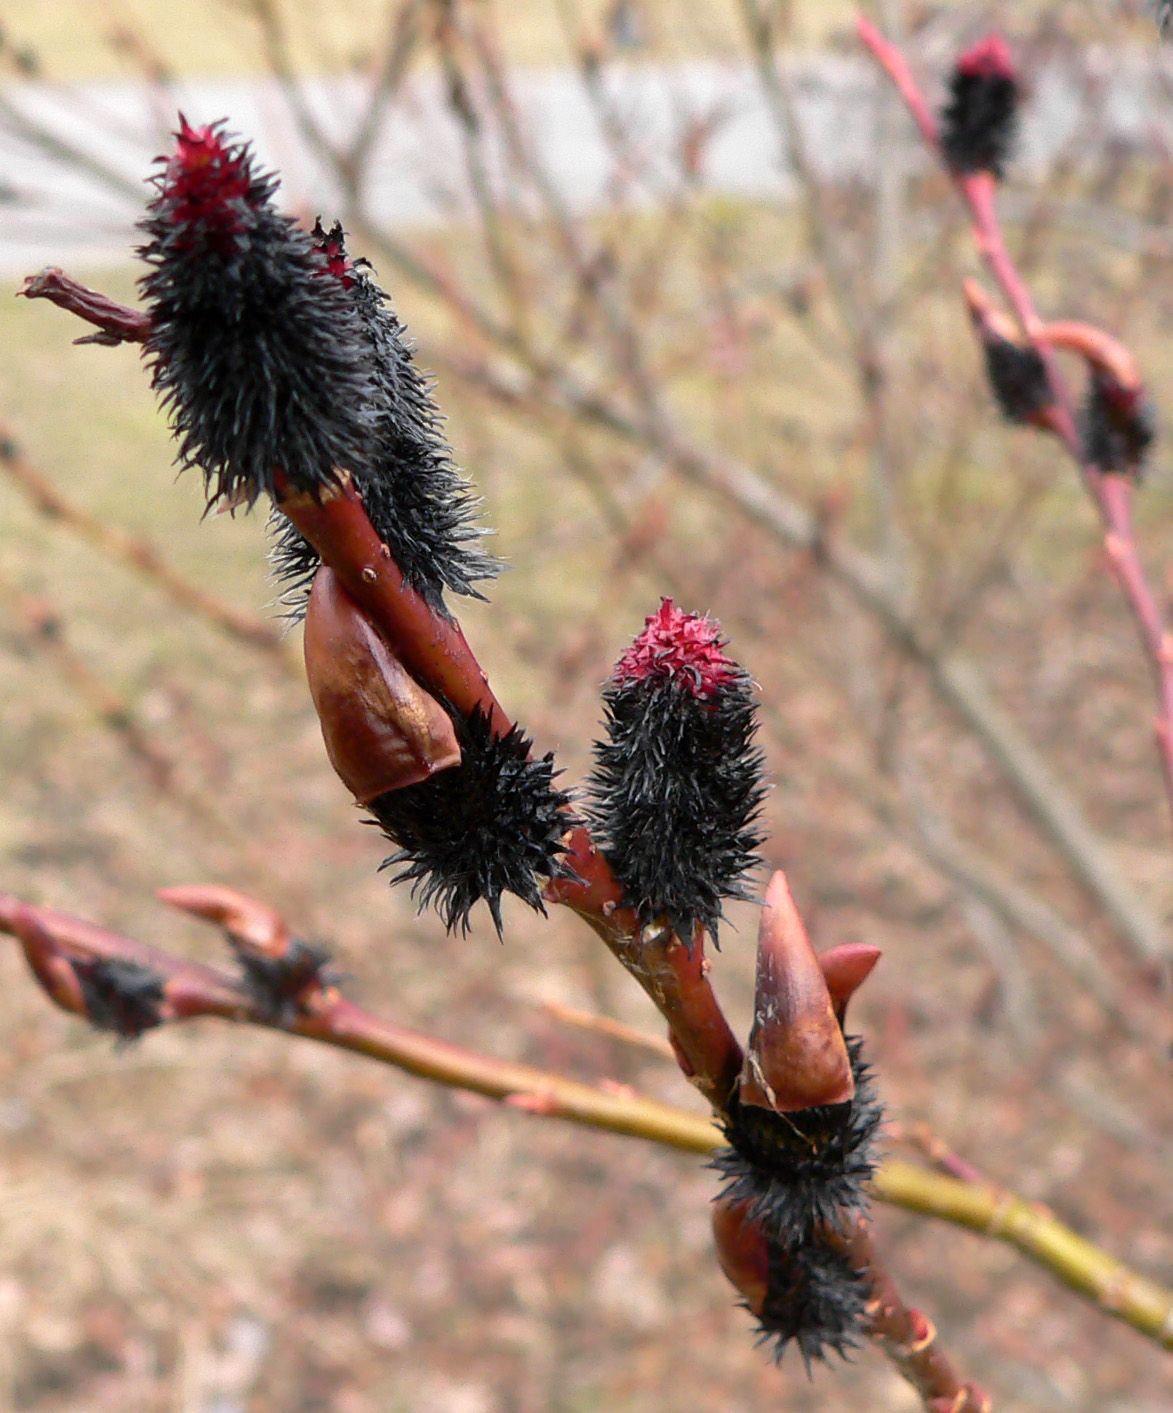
(815, 1301)
(1117, 425)
(421, 506)
(808, 1294)
(121, 996)
(492, 825)
(1018, 378)
(277, 983)
(677, 788)
(262, 361)
(980, 119)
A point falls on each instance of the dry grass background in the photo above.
(217, 1220)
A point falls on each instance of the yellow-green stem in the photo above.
(194, 990)
(991, 1211)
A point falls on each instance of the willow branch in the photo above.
(436, 653)
(193, 990)
(953, 678)
(1111, 492)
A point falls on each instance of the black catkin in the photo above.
(815, 1301)
(1018, 378)
(417, 500)
(677, 788)
(1117, 425)
(980, 119)
(801, 1180)
(125, 997)
(261, 360)
(276, 985)
(491, 825)
(796, 1172)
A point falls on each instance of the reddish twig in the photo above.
(1112, 492)
(116, 323)
(909, 1338)
(675, 976)
(431, 647)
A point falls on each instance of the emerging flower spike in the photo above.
(493, 824)
(417, 500)
(278, 983)
(809, 1168)
(815, 1300)
(1016, 371)
(979, 122)
(1117, 425)
(122, 996)
(261, 359)
(809, 1294)
(677, 785)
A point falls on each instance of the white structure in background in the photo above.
(55, 211)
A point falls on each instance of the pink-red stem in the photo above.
(1112, 492)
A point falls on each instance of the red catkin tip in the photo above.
(331, 246)
(676, 646)
(988, 58)
(206, 179)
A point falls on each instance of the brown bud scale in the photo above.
(382, 730)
